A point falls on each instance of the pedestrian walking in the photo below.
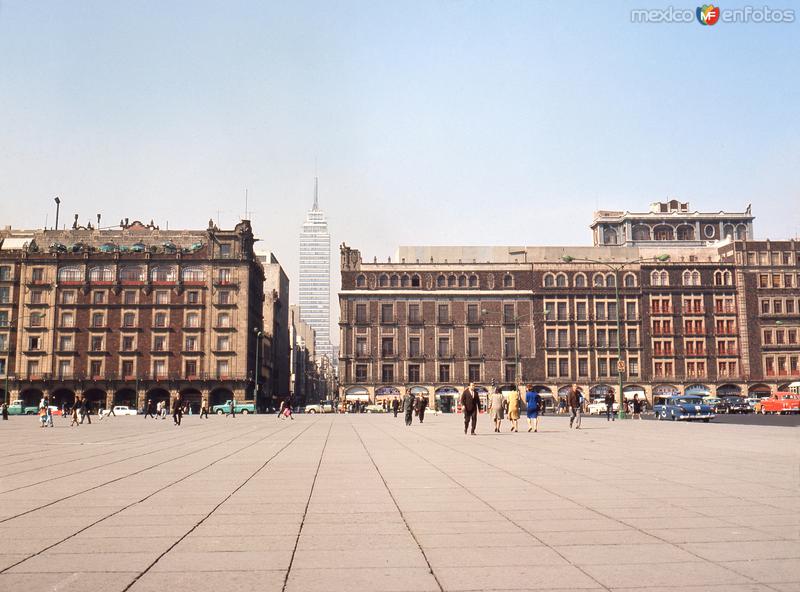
(74, 413)
(204, 409)
(532, 403)
(575, 411)
(609, 401)
(149, 409)
(470, 405)
(48, 413)
(562, 405)
(395, 406)
(408, 407)
(177, 411)
(86, 410)
(232, 409)
(5, 411)
(422, 405)
(164, 409)
(42, 412)
(496, 404)
(514, 402)
(637, 407)
(108, 413)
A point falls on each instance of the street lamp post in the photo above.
(616, 268)
(259, 335)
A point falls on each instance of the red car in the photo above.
(780, 403)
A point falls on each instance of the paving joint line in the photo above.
(225, 499)
(585, 507)
(148, 496)
(47, 505)
(399, 510)
(305, 511)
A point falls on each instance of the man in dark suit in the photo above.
(470, 405)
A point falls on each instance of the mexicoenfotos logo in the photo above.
(707, 14)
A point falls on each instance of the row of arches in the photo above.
(100, 398)
(579, 280)
(131, 273)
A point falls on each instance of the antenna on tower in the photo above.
(316, 192)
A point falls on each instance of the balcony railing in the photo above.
(693, 310)
(694, 331)
(727, 351)
(726, 331)
(724, 310)
(665, 331)
(696, 353)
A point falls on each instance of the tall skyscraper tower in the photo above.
(315, 276)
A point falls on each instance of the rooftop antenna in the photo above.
(316, 193)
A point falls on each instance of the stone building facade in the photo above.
(128, 314)
(437, 318)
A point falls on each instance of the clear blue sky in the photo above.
(431, 122)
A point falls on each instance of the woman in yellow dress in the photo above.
(513, 409)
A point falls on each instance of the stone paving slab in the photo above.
(364, 503)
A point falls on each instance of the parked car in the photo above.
(243, 408)
(55, 410)
(323, 407)
(598, 407)
(685, 408)
(780, 403)
(732, 404)
(752, 402)
(18, 407)
(119, 410)
(712, 401)
(374, 408)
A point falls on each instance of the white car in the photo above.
(119, 410)
(599, 407)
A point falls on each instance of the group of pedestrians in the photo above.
(412, 406)
(511, 405)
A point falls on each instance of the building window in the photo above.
(5, 273)
(159, 368)
(580, 280)
(96, 343)
(549, 280)
(633, 367)
(223, 343)
(37, 274)
(387, 346)
(602, 367)
(223, 320)
(583, 367)
(64, 369)
(413, 373)
(583, 340)
(128, 319)
(223, 369)
(361, 346)
(629, 280)
(563, 367)
(127, 343)
(160, 319)
(473, 314)
(95, 368)
(97, 319)
(474, 372)
(580, 311)
(36, 296)
(34, 343)
(444, 313)
(444, 347)
(508, 313)
(159, 343)
(387, 313)
(444, 372)
(361, 372)
(162, 297)
(387, 373)
(99, 297)
(68, 297)
(33, 368)
(67, 320)
(361, 313)
(473, 347)
(190, 343)
(361, 281)
(193, 297)
(510, 374)
(129, 297)
(414, 347)
(225, 250)
(413, 313)
(193, 320)
(509, 347)
(65, 343)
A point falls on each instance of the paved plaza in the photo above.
(364, 503)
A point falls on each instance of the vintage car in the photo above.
(779, 403)
(119, 410)
(598, 407)
(732, 404)
(374, 408)
(243, 408)
(323, 407)
(685, 408)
